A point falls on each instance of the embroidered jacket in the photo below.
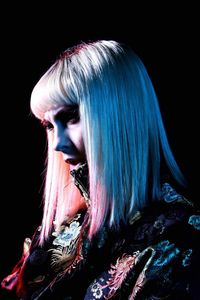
(155, 256)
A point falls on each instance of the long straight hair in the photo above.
(123, 133)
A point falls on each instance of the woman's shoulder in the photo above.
(173, 217)
(179, 209)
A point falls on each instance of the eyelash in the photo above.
(65, 118)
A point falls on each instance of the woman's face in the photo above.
(67, 128)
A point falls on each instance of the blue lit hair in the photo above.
(123, 130)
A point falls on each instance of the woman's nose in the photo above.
(61, 141)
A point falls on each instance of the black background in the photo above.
(165, 38)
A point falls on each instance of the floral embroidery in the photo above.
(158, 266)
(66, 255)
(96, 290)
(119, 272)
(76, 261)
(136, 217)
(159, 224)
(68, 235)
(169, 194)
(187, 258)
(164, 253)
(138, 286)
(194, 220)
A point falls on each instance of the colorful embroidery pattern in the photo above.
(194, 220)
(119, 272)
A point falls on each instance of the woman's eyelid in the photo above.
(71, 116)
(64, 117)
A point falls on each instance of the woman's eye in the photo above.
(68, 117)
(74, 117)
(71, 117)
(47, 125)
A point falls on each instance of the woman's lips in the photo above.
(71, 161)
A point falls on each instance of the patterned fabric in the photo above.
(155, 256)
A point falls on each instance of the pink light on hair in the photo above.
(71, 51)
(98, 206)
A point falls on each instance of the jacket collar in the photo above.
(80, 176)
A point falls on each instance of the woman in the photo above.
(112, 227)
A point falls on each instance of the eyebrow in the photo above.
(65, 110)
(62, 111)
